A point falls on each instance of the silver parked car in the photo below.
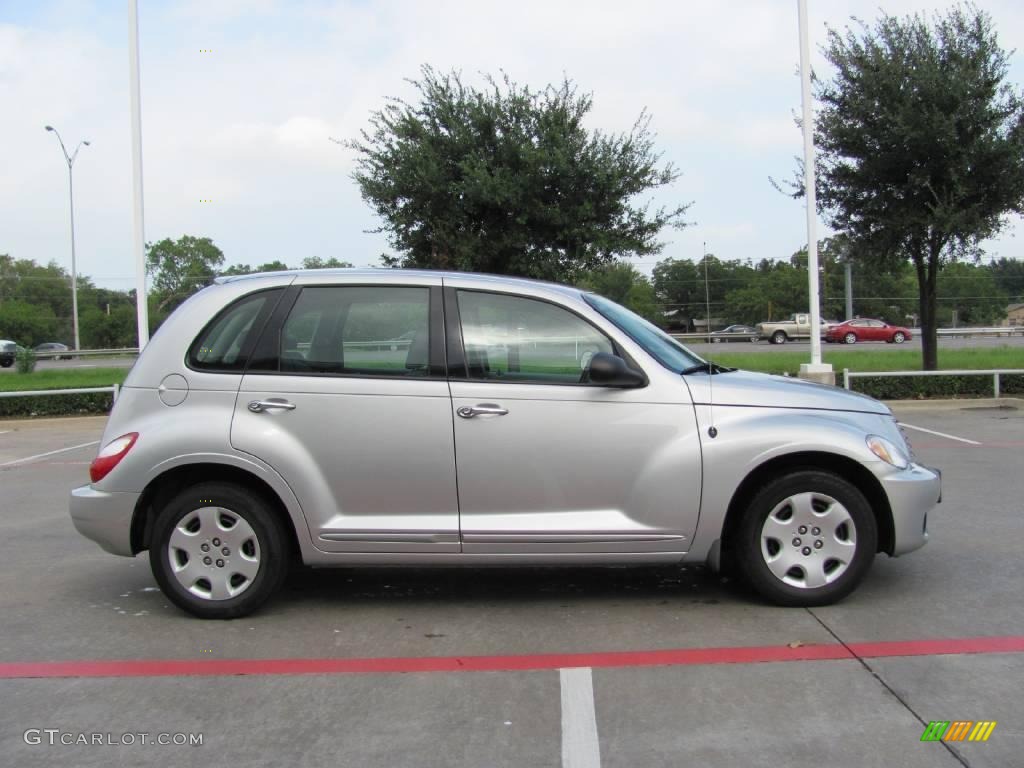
(276, 418)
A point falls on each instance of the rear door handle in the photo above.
(481, 409)
(259, 406)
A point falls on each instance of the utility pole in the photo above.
(849, 290)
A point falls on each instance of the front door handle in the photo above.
(259, 406)
(481, 409)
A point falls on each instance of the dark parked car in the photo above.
(50, 347)
(731, 334)
(866, 329)
(8, 349)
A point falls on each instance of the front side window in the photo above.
(223, 344)
(658, 344)
(357, 331)
(515, 339)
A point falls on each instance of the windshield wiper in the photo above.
(709, 367)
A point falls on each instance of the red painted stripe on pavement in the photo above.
(671, 657)
(1004, 644)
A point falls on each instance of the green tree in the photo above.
(115, 330)
(921, 144)
(245, 269)
(971, 292)
(509, 180)
(625, 284)
(680, 287)
(1009, 277)
(315, 262)
(27, 324)
(179, 268)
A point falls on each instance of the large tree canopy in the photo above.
(509, 180)
(179, 268)
(921, 143)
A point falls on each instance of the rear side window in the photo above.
(358, 331)
(225, 343)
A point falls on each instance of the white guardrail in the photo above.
(113, 388)
(66, 353)
(995, 373)
(1003, 330)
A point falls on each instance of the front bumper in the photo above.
(912, 492)
(105, 517)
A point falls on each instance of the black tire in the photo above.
(779, 337)
(850, 338)
(898, 337)
(273, 551)
(751, 559)
(6, 363)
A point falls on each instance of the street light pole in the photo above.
(816, 369)
(71, 198)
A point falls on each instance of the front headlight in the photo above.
(888, 451)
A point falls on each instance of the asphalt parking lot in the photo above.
(539, 667)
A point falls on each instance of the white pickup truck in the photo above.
(798, 326)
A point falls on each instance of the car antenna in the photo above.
(712, 430)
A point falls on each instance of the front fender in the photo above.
(747, 438)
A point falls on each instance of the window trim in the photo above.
(271, 335)
(259, 326)
(457, 352)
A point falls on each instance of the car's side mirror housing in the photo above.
(612, 371)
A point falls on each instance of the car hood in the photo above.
(749, 389)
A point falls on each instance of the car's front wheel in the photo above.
(850, 338)
(218, 550)
(807, 538)
(898, 337)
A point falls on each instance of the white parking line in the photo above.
(940, 434)
(4, 431)
(48, 453)
(580, 748)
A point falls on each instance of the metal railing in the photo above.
(1002, 330)
(995, 373)
(114, 389)
(86, 353)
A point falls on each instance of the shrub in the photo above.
(923, 387)
(25, 360)
(56, 405)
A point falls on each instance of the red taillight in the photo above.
(110, 455)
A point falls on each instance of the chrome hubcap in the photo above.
(214, 553)
(808, 540)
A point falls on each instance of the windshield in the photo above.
(658, 344)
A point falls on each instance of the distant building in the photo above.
(1014, 315)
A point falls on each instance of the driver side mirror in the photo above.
(612, 371)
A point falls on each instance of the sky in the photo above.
(240, 98)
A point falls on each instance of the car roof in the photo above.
(381, 274)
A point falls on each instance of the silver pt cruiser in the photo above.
(372, 417)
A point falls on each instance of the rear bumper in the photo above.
(105, 517)
(912, 493)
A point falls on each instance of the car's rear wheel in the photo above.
(898, 337)
(807, 538)
(5, 363)
(218, 550)
(779, 337)
(850, 338)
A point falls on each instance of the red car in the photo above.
(864, 329)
